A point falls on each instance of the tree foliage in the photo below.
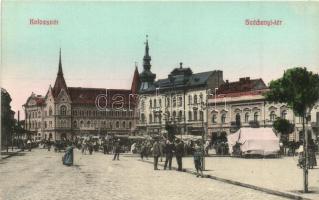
(298, 88)
(283, 126)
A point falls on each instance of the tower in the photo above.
(59, 81)
(147, 77)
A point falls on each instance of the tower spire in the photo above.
(60, 72)
(147, 57)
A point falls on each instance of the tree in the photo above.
(299, 89)
(284, 127)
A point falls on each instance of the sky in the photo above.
(101, 41)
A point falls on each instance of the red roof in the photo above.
(241, 86)
(90, 96)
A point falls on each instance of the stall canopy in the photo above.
(259, 141)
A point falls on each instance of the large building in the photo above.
(65, 111)
(180, 99)
(242, 104)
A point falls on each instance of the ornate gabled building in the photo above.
(179, 99)
(65, 111)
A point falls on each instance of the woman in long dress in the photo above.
(68, 156)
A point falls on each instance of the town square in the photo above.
(148, 103)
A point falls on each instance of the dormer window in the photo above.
(63, 110)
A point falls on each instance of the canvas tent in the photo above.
(259, 141)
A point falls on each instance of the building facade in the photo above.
(65, 112)
(242, 104)
(179, 99)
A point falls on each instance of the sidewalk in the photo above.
(5, 154)
(276, 176)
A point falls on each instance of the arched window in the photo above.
(284, 114)
(88, 123)
(214, 119)
(117, 124)
(174, 114)
(223, 118)
(75, 124)
(195, 99)
(39, 114)
(50, 111)
(190, 115)
(180, 115)
(160, 102)
(238, 119)
(256, 117)
(130, 125)
(154, 103)
(180, 101)
(246, 117)
(195, 114)
(168, 115)
(201, 115)
(150, 118)
(123, 124)
(272, 116)
(81, 123)
(63, 110)
(150, 103)
(189, 99)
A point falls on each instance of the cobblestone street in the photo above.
(40, 175)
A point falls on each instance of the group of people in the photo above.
(177, 148)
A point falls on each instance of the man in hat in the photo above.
(179, 151)
(156, 153)
(117, 149)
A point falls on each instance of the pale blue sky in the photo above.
(101, 41)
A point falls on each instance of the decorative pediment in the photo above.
(255, 109)
(246, 109)
(49, 95)
(237, 110)
(272, 108)
(283, 107)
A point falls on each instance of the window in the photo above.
(168, 102)
(50, 111)
(63, 110)
(174, 114)
(256, 117)
(246, 117)
(154, 103)
(284, 114)
(195, 114)
(150, 103)
(160, 102)
(214, 119)
(201, 115)
(142, 118)
(238, 119)
(150, 118)
(189, 99)
(174, 101)
(39, 114)
(88, 123)
(195, 99)
(75, 124)
(180, 101)
(117, 125)
(223, 118)
(81, 123)
(272, 116)
(180, 115)
(123, 124)
(190, 115)
(168, 115)
(130, 125)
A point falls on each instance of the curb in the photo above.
(261, 189)
(10, 155)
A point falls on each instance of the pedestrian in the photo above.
(116, 150)
(49, 144)
(143, 147)
(168, 149)
(156, 153)
(198, 156)
(90, 146)
(179, 150)
(67, 159)
(29, 144)
(162, 147)
(104, 146)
